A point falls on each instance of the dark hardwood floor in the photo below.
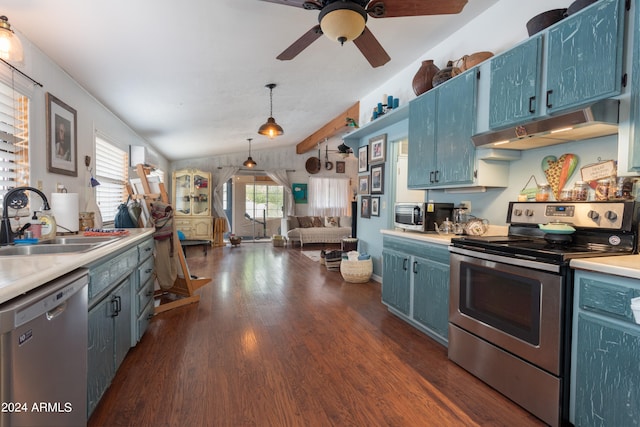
(277, 340)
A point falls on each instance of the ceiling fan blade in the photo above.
(371, 49)
(301, 44)
(310, 4)
(396, 8)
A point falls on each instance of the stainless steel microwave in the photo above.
(421, 216)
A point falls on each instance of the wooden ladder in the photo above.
(183, 287)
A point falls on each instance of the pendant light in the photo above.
(10, 46)
(249, 162)
(271, 128)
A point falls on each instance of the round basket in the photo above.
(356, 271)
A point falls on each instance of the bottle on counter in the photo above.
(48, 225)
(544, 192)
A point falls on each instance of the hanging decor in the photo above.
(249, 162)
(271, 128)
(10, 45)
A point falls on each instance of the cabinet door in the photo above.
(200, 197)
(455, 152)
(515, 84)
(607, 388)
(100, 366)
(121, 304)
(422, 139)
(584, 56)
(431, 295)
(634, 151)
(396, 280)
(182, 193)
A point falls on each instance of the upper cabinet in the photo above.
(422, 140)
(192, 192)
(515, 84)
(584, 56)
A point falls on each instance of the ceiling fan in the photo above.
(345, 20)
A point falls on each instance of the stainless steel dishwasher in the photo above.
(43, 351)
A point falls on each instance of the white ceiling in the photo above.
(190, 77)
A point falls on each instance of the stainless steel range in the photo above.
(511, 297)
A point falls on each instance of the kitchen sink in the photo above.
(58, 245)
(74, 240)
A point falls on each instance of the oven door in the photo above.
(515, 308)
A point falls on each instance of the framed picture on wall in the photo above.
(363, 159)
(377, 179)
(365, 207)
(378, 147)
(375, 206)
(62, 140)
(299, 193)
(341, 167)
(363, 184)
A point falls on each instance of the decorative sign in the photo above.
(598, 171)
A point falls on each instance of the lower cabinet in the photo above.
(120, 307)
(415, 284)
(605, 380)
(195, 228)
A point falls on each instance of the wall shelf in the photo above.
(396, 115)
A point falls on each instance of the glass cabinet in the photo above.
(192, 203)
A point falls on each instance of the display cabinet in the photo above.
(192, 203)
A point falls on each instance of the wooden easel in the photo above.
(185, 286)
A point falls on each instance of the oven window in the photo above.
(508, 302)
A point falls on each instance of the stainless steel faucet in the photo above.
(6, 234)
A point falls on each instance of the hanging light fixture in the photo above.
(342, 21)
(10, 46)
(249, 162)
(271, 128)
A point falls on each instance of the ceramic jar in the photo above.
(445, 74)
(423, 80)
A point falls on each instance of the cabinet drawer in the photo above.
(108, 273)
(144, 296)
(144, 319)
(145, 271)
(607, 298)
(145, 249)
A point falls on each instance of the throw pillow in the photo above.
(332, 221)
(293, 222)
(345, 221)
(317, 221)
(305, 221)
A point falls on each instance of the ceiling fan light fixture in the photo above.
(342, 21)
(249, 163)
(10, 45)
(271, 128)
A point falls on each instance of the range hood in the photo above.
(595, 120)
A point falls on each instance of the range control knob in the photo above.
(593, 215)
(528, 212)
(611, 215)
(517, 212)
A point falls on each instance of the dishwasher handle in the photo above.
(52, 314)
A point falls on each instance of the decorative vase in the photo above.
(423, 80)
(445, 74)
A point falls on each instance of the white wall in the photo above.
(91, 115)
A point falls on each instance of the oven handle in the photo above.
(517, 261)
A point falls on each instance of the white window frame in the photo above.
(112, 171)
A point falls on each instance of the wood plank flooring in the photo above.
(277, 340)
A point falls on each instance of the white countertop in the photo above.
(20, 274)
(433, 237)
(622, 265)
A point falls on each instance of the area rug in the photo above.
(312, 255)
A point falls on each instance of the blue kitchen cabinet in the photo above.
(584, 56)
(422, 140)
(417, 274)
(431, 292)
(634, 151)
(396, 286)
(441, 123)
(605, 380)
(515, 84)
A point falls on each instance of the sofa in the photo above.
(316, 229)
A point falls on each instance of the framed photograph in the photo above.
(363, 184)
(378, 148)
(363, 159)
(377, 179)
(62, 141)
(375, 206)
(299, 193)
(365, 206)
(340, 167)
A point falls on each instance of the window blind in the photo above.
(113, 174)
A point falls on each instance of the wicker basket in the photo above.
(278, 241)
(356, 271)
(333, 260)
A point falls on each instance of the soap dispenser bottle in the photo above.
(48, 223)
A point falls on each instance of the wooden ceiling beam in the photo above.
(331, 129)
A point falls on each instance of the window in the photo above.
(329, 197)
(14, 140)
(264, 200)
(113, 174)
